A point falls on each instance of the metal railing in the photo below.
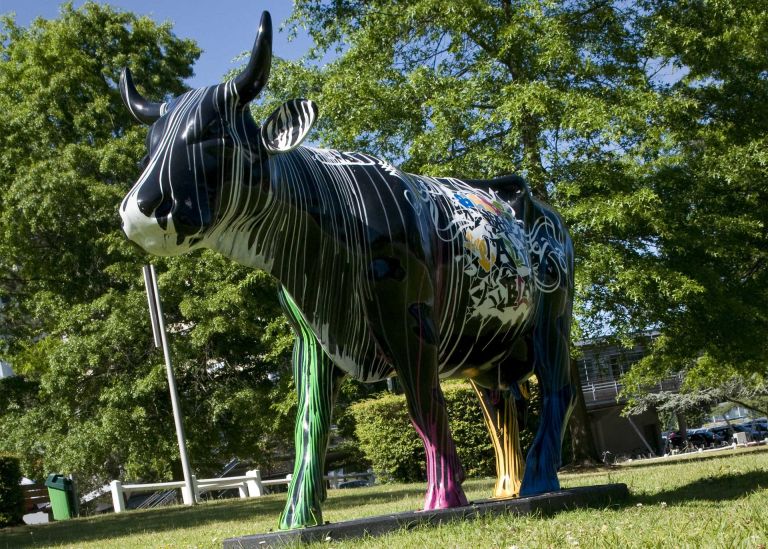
(249, 485)
(605, 392)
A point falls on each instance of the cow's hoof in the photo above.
(292, 519)
(444, 497)
(532, 487)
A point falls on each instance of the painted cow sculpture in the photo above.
(381, 273)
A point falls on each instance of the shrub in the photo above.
(394, 449)
(388, 440)
(11, 496)
(473, 443)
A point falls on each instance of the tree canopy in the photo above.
(644, 123)
(92, 396)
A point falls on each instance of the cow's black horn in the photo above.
(142, 110)
(255, 75)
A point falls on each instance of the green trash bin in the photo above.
(61, 490)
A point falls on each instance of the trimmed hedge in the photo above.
(394, 449)
(11, 496)
(388, 440)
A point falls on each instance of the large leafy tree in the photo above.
(92, 398)
(553, 90)
(644, 123)
(709, 174)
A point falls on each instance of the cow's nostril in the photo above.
(162, 213)
(164, 208)
(148, 199)
(186, 221)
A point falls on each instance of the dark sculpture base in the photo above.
(583, 496)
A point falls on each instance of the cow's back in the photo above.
(484, 284)
(475, 239)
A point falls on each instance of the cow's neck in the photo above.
(285, 230)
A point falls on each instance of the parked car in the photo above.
(704, 437)
(757, 424)
(354, 484)
(759, 433)
(725, 432)
(673, 439)
(699, 438)
(756, 432)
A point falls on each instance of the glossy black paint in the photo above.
(382, 272)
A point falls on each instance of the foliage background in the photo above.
(395, 451)
(11, 497)
(644, 123)
(91, 397)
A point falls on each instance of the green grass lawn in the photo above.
(716, 502)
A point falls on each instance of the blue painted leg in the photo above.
(550, 346)
(557, 395)
(544, 457)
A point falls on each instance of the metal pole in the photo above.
(639, 434)
(161, 340)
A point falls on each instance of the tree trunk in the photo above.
(682, 426)
(583, 447)
(532, 163)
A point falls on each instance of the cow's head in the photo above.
(207, 160)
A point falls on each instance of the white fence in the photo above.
(249, 485)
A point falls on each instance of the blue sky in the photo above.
(222, 28)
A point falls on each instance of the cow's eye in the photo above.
(212, 130)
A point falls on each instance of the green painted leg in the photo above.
(317, 382)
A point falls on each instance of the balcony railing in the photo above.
(607, 392)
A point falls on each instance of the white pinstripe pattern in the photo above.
(308, 215)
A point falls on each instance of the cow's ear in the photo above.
(287, 127)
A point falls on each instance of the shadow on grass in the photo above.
(713, 488)
(103, 527)
(267, 510)
(342, 499)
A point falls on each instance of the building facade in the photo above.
(5, 370)
(601, 366)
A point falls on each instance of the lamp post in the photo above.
(189, 495)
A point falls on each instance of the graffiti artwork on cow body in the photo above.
(381, 273)
(492, 235)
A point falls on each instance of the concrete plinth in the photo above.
(584, 496)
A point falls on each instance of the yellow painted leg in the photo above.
(500, 413)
